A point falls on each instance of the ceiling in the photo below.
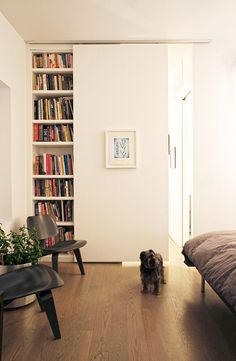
(78, 20)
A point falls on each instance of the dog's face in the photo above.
(149, 259)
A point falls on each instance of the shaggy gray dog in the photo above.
(151, 271)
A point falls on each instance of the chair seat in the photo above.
(28, 281)
(65, 246)
(45, 227)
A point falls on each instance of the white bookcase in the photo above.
(51, 149)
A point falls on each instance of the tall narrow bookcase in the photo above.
(52, 139)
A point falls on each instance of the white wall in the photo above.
(12, 73)
(214, 136)
(122, 211)
(5, 154)
(214, 109)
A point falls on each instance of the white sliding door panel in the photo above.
(121, 212)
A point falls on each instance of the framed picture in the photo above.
(120, 148)
(173, 158)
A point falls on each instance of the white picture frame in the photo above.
(120, 149)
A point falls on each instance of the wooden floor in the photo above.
(104, 317)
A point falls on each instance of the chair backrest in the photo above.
(44, 226)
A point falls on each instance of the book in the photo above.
(35, 132)
(48, 164)
(45, 134)
(66, 164)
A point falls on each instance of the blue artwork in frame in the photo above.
(121, 148)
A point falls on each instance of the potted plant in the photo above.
(19, 249)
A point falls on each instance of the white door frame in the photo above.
(187, 158)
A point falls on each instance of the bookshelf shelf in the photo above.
(53, 144)
(57, 121)
(52, 70)
(52, 93)
(68, 224)
(62, 258)
(50, 156)
(45, 176)
(53, 198)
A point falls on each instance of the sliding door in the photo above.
(121, 211)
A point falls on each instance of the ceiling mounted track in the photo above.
(114, 42)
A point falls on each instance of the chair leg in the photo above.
(1, 323)
(79, 260)
(55, 261)
(46, 298)
(40, 303)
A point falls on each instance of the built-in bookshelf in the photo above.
(52, 134)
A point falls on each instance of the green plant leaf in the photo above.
(20, 247)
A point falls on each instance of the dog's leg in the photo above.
(156, 290)
(145, 288)
(163, 281)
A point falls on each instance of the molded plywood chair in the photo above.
(37, 279)
(46, 227)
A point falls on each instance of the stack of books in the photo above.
(53, 60)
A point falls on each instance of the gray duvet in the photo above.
(214, 255)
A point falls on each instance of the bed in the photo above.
(214, 256)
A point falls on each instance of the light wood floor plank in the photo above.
(104, 317)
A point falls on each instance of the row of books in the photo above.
(53, 60)
(51, 164)
(64, 234)
(53, 108)
(53, 133)
(52, 82)
(53, 188)
(61, 211)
